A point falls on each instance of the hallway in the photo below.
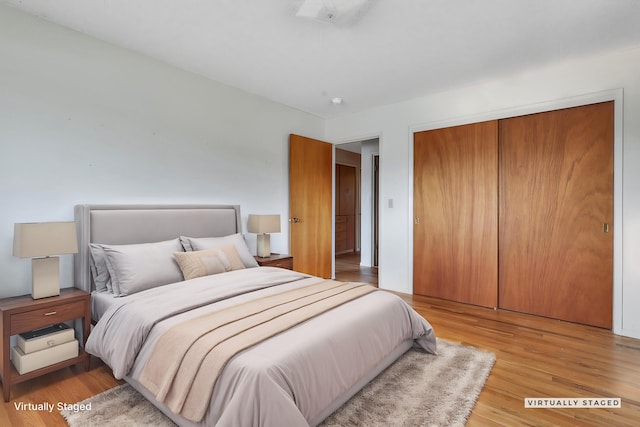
(348, 269)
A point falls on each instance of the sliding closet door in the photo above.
(456, 213)
(556, 206)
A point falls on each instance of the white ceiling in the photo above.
(397, 50)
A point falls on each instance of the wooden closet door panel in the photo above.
(456, 211)
(346, 194)
(556, 192)
(346, 188)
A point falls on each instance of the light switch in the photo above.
(390, 203)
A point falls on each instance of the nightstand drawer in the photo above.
(285, 263)
(276, 260)
(34, 319)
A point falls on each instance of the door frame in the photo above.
(336, 144)
(616, 95)
(375, 196)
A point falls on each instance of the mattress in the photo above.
(100, 303)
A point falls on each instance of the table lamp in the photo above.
(41, 241)
(262, 225)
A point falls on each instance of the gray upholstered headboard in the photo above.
(128, 224)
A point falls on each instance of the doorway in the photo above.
(356, 248)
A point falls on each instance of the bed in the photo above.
(312, 344)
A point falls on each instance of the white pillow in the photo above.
(202, 243)
(134, 268)
(99, 270)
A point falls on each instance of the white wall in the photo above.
(531, 91)
(82, 121)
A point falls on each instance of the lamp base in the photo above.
(45, 281)
(264, 245)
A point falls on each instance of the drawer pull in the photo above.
(51, 313)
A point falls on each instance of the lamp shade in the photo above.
(263, 224)
(44, 239)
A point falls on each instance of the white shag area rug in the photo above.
(419, 389)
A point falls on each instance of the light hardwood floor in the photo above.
(536, 357)
(348, 269)
(540, 357)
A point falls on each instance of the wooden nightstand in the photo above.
(276, 260)
(22, 314)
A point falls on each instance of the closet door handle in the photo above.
(294, 220)
(605, 227)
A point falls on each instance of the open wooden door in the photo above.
(310, 199)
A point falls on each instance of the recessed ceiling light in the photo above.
(336, 101)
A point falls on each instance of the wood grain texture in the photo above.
(22, 313)
(556, 192)
(310, 200)
(68, 385)
(276, 260)
(345, 190)
(35, 319)
(348, 269)
(541, 357)
(346, 209)
(535, 357)
(456, 205)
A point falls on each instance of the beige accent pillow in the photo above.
(236, 240)
(209, 261)
(233, 257)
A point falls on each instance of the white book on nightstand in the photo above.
(39, 359)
